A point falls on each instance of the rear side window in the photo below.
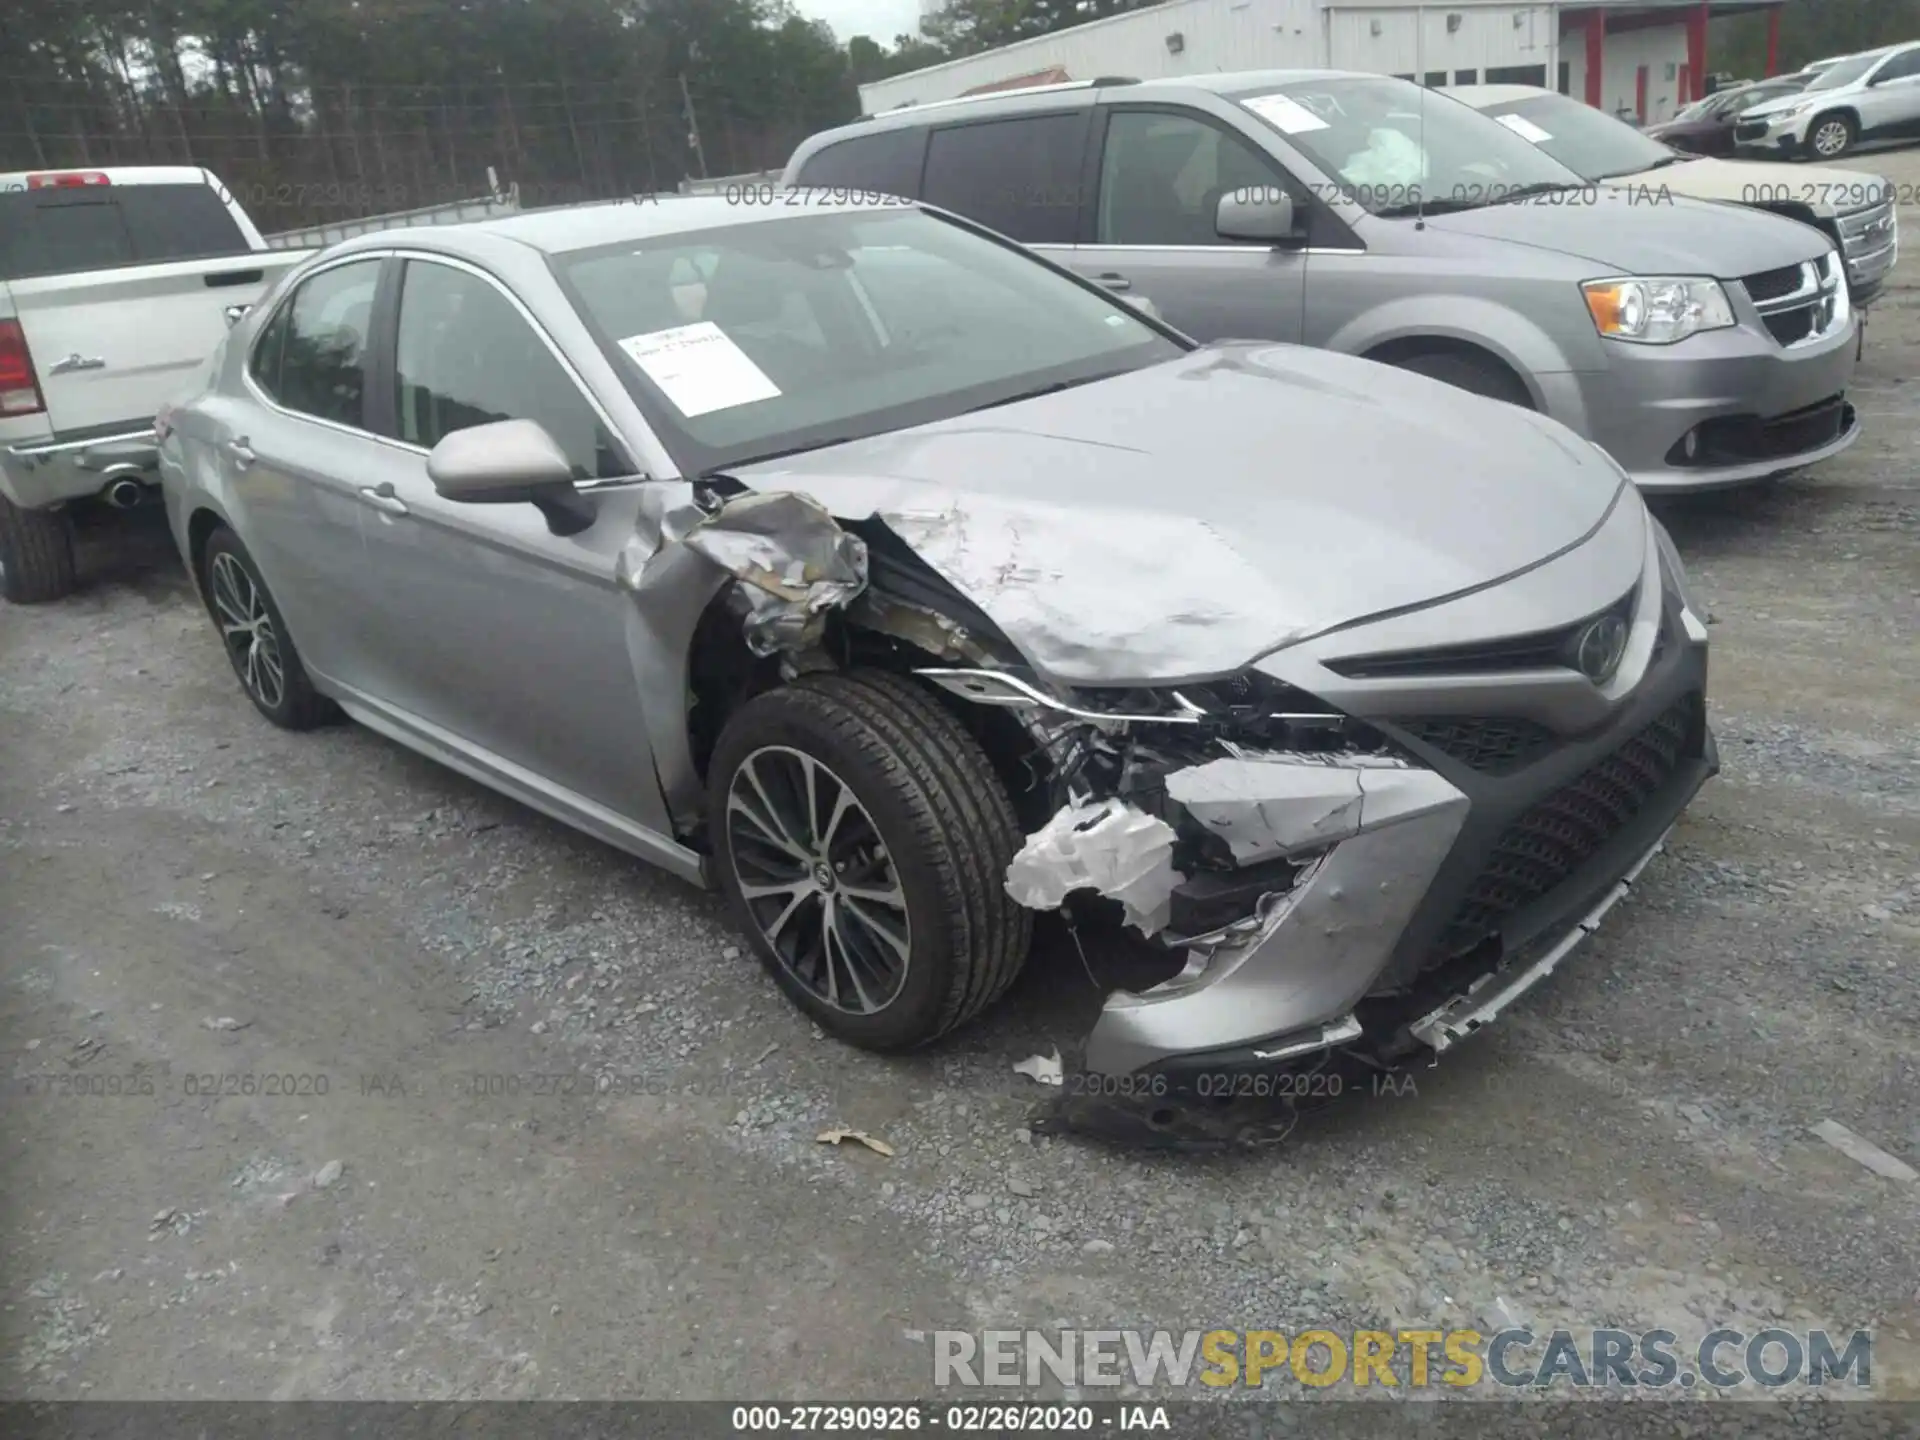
(888, 161)
(1022, 177)
(67, 231)
(312, 357)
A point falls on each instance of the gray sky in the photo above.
(880, 19)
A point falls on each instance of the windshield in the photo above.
(1581, 138)
(1844, 72)
(782, 335)
(1392, 145)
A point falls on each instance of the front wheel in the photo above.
(862, 838)
(1831, 136)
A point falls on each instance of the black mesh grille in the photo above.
(1790, 327)
(1558, 835)
(1772, 284)
(1496, 746)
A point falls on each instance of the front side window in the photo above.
(804, 331)
(312, 356)
(1162, 177)
(1580, 137)
(466, 356)
(1020, 177)
(1396, 148)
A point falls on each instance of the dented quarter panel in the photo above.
(1179, 521)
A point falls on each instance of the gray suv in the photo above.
(1700, 344)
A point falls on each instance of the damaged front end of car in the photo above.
(1326, 887)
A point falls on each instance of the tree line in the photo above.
(322, 109)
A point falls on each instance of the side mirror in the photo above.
(510, 462)
(235, 313)
(1260, 213)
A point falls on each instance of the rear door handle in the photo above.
(1113, 281)
(382, 498)
(241, 452)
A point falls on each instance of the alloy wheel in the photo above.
(247, 629)
(1831, 138)
(818, 880)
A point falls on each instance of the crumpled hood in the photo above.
(1642, 231)
(1821, 188)
(1182, 520)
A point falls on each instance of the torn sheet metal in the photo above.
(1268, 807)
(794, 561)
(1283, 803)
(1108, 846)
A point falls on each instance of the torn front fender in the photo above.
(792, 558)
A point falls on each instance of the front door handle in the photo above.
(1113, 281)
(76, 361)
(382, 498)
(241, 452)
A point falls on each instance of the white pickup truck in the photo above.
(115, 286)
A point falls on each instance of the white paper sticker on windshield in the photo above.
(1524, 128)
(1286, 113)
(699, 368)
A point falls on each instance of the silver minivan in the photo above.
(1700, 344)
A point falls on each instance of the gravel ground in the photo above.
(186, 892)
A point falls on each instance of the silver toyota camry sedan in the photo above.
(902, 585)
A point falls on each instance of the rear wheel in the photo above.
(36, 554)
(1465, 372)
(1831, 136)
(862, 837)
(256, 637)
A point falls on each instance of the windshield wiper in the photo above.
(1449, 205)
(1660, 164)
(746, 460)
(1527, 192)
(1038, 391)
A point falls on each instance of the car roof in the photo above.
(1066, 95)
(585, 227)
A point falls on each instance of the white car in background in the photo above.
(115, 286)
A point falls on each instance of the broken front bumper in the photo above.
(1408, 861)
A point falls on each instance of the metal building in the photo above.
(1642, 60)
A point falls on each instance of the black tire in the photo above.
(36, 554)
(1464, 372)
(293, 703)
(928, 792)
(1844, 133)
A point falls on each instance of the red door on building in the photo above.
(1640, 94)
